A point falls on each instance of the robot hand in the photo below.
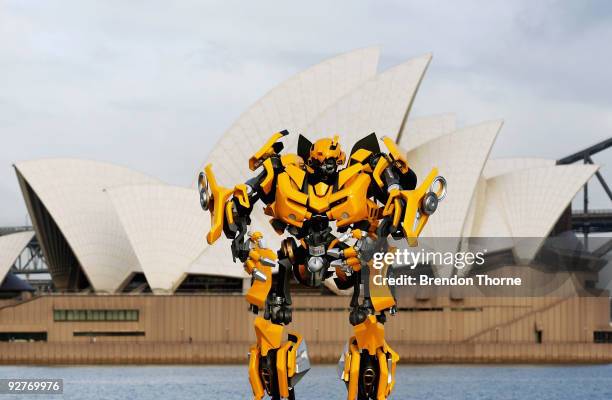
(259, 264)
(260, 258)
(409, 210)
(351, 258)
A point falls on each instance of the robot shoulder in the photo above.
(271, 148)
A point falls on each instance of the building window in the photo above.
(59, 315)
(538, 336)
(210, 284)
(108, 333)
(23, 336)
(602, 337)
(96, 315)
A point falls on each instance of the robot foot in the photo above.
(368, 369)
(276, 372)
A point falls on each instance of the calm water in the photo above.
(414, 382)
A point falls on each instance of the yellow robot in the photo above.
(372, 197)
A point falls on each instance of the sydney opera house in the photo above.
(134, 280)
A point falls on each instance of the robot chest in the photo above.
(319, 197)
(347, 205)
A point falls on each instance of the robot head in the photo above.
(324, 158)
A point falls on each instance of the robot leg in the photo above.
(368, 364)
(275, 367)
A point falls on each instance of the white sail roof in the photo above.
(486, 218)
(291, 106)
(500, 166)
(11, 246)
(72, 192)
(420, 130)
(531, 201)
(379, 105)
(460, 157)
(166, 229)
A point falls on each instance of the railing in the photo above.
(5, 230)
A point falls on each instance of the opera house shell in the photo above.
(103, 227)
(11, 247)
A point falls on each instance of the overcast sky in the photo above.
(153, 84)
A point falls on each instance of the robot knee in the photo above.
(281, 315)
(358, 315)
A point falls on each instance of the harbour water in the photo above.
(432, 382)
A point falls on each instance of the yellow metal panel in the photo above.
(220, 195)
(381, 296)
(382, 390)
(290, 203)
(316, 202)
(281, 370)
(266, 184)
(228, 213)
(347, 363)
(412, 199)
(292, 354)
(370, 335)
(269, 335)
(240, 193)
(291, 191)
(327, 148)
(254, 378)
(360, 155)
(321, 188)
(353, 386)
(258, 292)
(346, 174)
(399, 160)
(394, 360)
(355, 206)
(296, 174)
(265, 151)
(381, 165)
(292, 159)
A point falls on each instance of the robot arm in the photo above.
(230, 209)
(275, 366)
(230, 213)
(407, 207)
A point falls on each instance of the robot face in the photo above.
(325, 157)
